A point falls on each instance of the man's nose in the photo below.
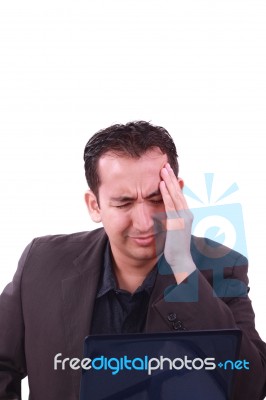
(142, 219)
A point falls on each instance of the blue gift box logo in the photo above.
(221, 223)
(224, 225)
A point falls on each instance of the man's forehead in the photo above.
(150, 156)
(123, 175)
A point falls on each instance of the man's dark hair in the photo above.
(133, 140)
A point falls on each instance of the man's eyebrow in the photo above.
(153, 194)
(122, 199)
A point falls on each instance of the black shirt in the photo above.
(116, 310)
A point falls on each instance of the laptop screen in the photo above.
(183, 365)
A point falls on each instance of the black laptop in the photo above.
(187, 365)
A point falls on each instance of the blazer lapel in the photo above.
(79, 292)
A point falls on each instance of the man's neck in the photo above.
(130, 275)
(129, 282)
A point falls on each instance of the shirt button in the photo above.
(178, 326)
(171, 317)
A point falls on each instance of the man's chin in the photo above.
(146, 253)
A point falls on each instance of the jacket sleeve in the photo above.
(197, 306)
(237, 312)
(235, 302)
(12, 357)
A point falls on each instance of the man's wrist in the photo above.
(183, 268)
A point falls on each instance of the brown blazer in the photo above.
(48, 306)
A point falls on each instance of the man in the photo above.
(126, 277)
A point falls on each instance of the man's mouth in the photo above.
(143, 240)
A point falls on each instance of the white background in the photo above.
(68, 69)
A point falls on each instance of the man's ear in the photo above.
(93, 207)
(181, 183)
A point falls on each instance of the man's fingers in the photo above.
(173, 188)
(170, 183)
(174, 221)
(167, 199)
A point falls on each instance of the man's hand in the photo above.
(178, 225)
